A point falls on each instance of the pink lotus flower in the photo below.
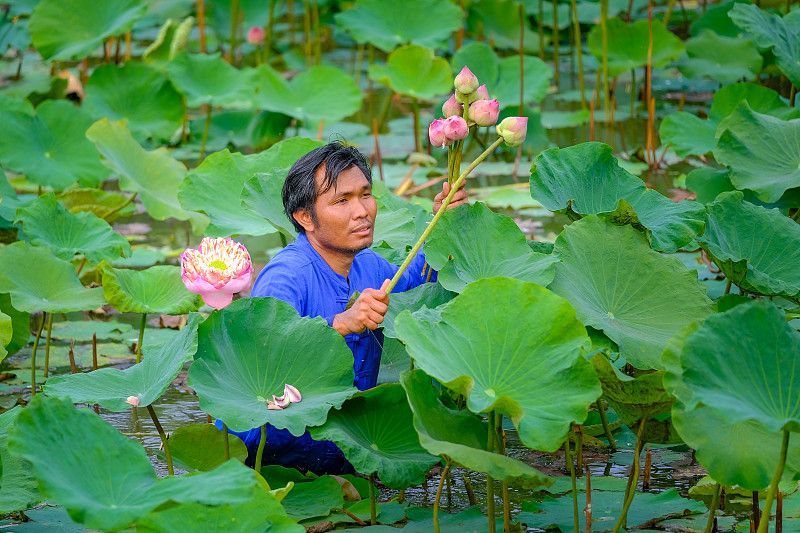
(513, 130)
(482, 93)
(256, 36)
(455, 128)
(216, 270)
(436, 133)
(133, 400)
(451, 107)
(466, 82)
(484, 112)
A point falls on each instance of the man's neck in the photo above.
(339, 261)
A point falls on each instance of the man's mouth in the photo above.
(363, 230)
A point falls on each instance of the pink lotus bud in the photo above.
(455, 128)
(482, 93)
(217, 269)
(484, 112)
(436, 133)
(513, 130)
(451, 107)
(256, 35)
(133, 400)
(466, 82)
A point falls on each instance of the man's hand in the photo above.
(460, 197)
(367, 312)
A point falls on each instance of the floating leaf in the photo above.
(772, 31)
(414, 71)
(539, 359)
(387, 24)
(209, 79)
(628, 45)
(724, 59)
(483, 245)
(20, 326)
(50, 147)
(39, 281)
(158, 289)
(461, 436)
(84, 330)
(308, 499)
(202, 446)
(111, 387)
(250, 350)
(637, 297)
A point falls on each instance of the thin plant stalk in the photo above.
(668, 14)
(234, 24)
(317, 36)
(47, 344)
(373, 500)
(773, 488)
(205, 134)
(713, 509)
(468, 489)
(440, 212)
(587, 512)
(490, 479)
(578, 429)
(579, 52)
(94, 351)
(268, 40)
(518, 157)
(556, 40)
(307, 34)
(606, 427)
(417, 139)
(540, 29)
(631, 492)
(633, 91)
(377, 147)
(119, 208)
(225, 444)
(201, 24)
(571, 465)
(141, 337)
(439, 496)
(164, 439)
(604, 36)
(501, 449)
(260, 450)
(33, 355)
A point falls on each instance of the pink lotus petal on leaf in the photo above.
(292, 393)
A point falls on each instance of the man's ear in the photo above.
(304, 218)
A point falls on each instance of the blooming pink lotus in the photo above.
(484, 112)
(437, 135)
(256, 35)
(216, 270)
(451, 107)
(455, 128)
(513, 130)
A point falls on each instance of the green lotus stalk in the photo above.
(226, 445)
(373, 500)
(631, 491)
(33, 355)
(604, 33)
(260, 451)
(713, 508)
(606, 427)
(439, 213)
(579, 52)
(47, 344)
(234, 26)
(500, 445)
(439, 495)
(205, 134)
(164, 439)
(490, 479)
(571, 464)
(141, 338)
(773, 488)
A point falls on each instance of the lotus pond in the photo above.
(611, 340)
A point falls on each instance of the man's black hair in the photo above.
(300, 188)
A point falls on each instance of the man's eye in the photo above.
(367, 194)
(341, 200)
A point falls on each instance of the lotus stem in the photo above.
(33, 355)
(164, 439)
(234, 21)
(119, 208)
(317, 37)
(468, 489)
(631, 492)
(773, 488)
(501, 449)
(579, 52)
(80, 266)
(268, 40)
(633, 91)
(260, 451)
(489, 479)
(94, 351)
(141, 338)
(604, 34)
(373, 500)
(571, 466)
(578, 429)
(205, 134)
(453, 189)
(713, 508)
(307, 34)
(540, 29)
(587, 512)
(439, 496)
(606, 428)
(556, 40)
(225, 444)
(47, 344)
(415, 112)
(201, 24)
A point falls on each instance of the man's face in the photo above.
(345, 214)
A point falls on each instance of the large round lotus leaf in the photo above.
(107, 205)
(483, 245)
(209, 79)
(759, 98)
(51, 147)
(303, 97)
(758, 249)
(427, 295)
(139, 93)
(110, 387)
(73, 29)
(9, 201)
(762, 151)
(158, 289)
(39, 281)
(461, 436)
(20, 325)
(498, 22)
(772, 31)
(201, 190)
(262, 195)
(375, 432)
(529, 367)
(248, 351)
(387, 24)
(716, 19)
(587, 179)
(537, 81)
(202, 446)
(48, 223)
(628, 45)
(414, 71)
(155, 176)
(637, 297)
(688, 134)
(724, 59)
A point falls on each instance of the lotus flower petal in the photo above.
(451, 107)
(133, 400)
(217, 299)
(455, 128)
(256, 35)
(272, 406)
(216, 269)
(466, 82)
(281, 402)
(292, 393)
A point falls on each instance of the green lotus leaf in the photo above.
(158, 289)
(483, 245)
(71, 451)
(202, 446)
(50, 147)
(461, 436)
(414, 71)
(108, 205)
(18, 488)
(220, 15)
(628, 45)
(6, 333)
(481, 60)
(756, 248)
(716, 19)
(73, 29)
(139, 93)
(262, 195)
(708, 182)
(375, 432)
(762, 151)
(587, 179)
(564, 14)
(20, 325)
(172, 39)
(536, 84)
(9, 201)
(84, 330)
(200, 191)
(428, 295)
(498, 22)
(248, 351)
(111, 387)
(772, 31)
(39, 281)
(395, 231)
(538, 359)
(724, 59)
(759, 98)
(209, 79)
(309, 499)
(48, 223)
(636, 296)
(387, 24)
(155, 176)
(688, 134)
(302, 98)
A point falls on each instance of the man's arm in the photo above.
(366, 313)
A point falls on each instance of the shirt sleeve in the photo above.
(282, 279)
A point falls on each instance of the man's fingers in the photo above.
(385, 284)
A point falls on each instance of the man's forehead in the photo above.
(350, 172)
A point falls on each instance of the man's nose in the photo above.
(360, 209)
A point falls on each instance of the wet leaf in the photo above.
(158, 289)
(414, 71)
(498, 21)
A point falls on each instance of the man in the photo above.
(328, 197)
